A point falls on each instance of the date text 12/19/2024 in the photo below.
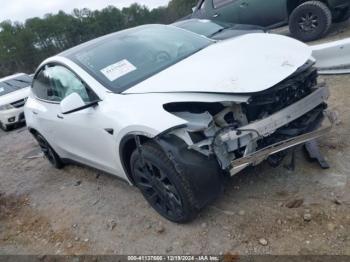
(201, 258)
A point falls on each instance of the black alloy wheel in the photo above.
(167, 191)
(310, 21)
(158, 189)
(49, 153)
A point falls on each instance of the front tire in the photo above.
(310, 21)
(49, 153)
(165, 189)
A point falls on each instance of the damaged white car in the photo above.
(173, 112)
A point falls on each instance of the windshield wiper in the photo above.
(217, 32)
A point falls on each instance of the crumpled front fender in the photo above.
(204, 173)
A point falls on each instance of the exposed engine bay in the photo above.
(271, 122)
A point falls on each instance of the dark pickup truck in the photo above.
(308, 20)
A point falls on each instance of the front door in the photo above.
(223, 10)
(82, 135)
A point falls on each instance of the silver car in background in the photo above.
(14, 91)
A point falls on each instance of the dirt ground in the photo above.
(262, 211)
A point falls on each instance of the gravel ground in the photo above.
(262, 211)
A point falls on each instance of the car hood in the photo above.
(14, 96)
(246, 64)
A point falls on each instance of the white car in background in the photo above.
(14, 91)
(173, 112)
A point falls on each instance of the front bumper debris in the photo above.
(269, 125)
(262, 154)
(248, 135)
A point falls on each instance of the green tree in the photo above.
(24, 45)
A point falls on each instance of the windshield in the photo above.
(13, 84)
(124, 59)
(202, 27)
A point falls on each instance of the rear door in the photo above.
(43, 108)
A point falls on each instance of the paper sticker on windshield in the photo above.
(2, 89)
(118, 70)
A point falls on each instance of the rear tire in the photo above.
(49, 153)
(310, 21)
(165, 189)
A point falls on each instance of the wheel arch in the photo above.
(127, 145)
(203, 172)
(33, 131)
(292, 4)
(126, 148)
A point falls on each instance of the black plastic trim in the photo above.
(92, 104)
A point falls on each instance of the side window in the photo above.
(41, 85)
(57, 82)
(202, 6)
(220, 3)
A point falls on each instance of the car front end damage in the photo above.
(238, 135)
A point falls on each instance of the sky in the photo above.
(20, 10)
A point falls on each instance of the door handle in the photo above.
(60, 116)
(35, 113)
(216, 15)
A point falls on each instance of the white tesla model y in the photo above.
(173, 112)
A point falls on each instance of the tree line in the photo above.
(24, 45)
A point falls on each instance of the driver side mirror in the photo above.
(74, 103)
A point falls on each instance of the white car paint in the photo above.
(333, 57)
(125, 114)
(211, 75)
(172, 114)
(247, 70)
(7, 99)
